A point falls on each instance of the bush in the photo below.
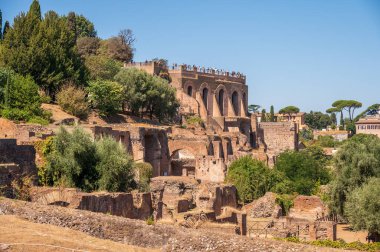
(356, 161)
(115, 166)
(75, 160)
(194, 120)
(23, 100)
(101, 67)
(72, 99)
(362, 207)
(326, 141)
(286, 201)
(144, 174)
(340, 244)
(252, 178)
(107, 96)
(304, 169)
(38, 120)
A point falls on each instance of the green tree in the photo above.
(306, 169)
(263, 115)
(136, 84)
(371, 110)
(73, 160)
(161, 100)
(348, 105)
(6, 28)
(44, 49)
(317, 120)
(356, 161)
(253, 108)
(20, 97)
(252, 178)
(101, 67)
(72, 99)
(271, 114)
(81, 26)
(1, 25)
(289, 110)
(362, 206)
(115, 166)
(106, 96)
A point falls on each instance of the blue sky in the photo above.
(303, 53)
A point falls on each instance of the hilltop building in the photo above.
(369, 124)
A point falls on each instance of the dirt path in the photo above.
(21, 235)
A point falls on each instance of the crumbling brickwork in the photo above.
(277, 137)
(21, 155)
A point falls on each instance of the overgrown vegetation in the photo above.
(147, 93)
(340, 244)
(106, 96)
(253, 178)
(194, 120)
(305, 169)
(144, 173)
(20, 99)
(75, 160)
(72, 99)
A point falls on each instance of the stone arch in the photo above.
(182, 162)
(221, 96)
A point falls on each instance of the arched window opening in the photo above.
(221, 101)
(244, 101)
(205, 97)
(235, 102)
(190, 90)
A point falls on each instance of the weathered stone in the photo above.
(263, 207)
(308, 207)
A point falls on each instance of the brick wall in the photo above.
(277, 137)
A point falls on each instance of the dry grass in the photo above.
(21, 235)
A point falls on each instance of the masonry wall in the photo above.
(21, 155)
(277, 137)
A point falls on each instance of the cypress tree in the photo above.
(263, 115)
(271, 116)
(6, 28)
(1, 25)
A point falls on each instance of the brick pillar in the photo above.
(217, 150)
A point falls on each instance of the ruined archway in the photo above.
(235, 102)
(152, 153)
(182, 163)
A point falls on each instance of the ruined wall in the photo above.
(277, 137)
(145, 144)
(129, 205)
(21, 155)
(308, 207)
(173, 195)
(23, 133)
(337, 135)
